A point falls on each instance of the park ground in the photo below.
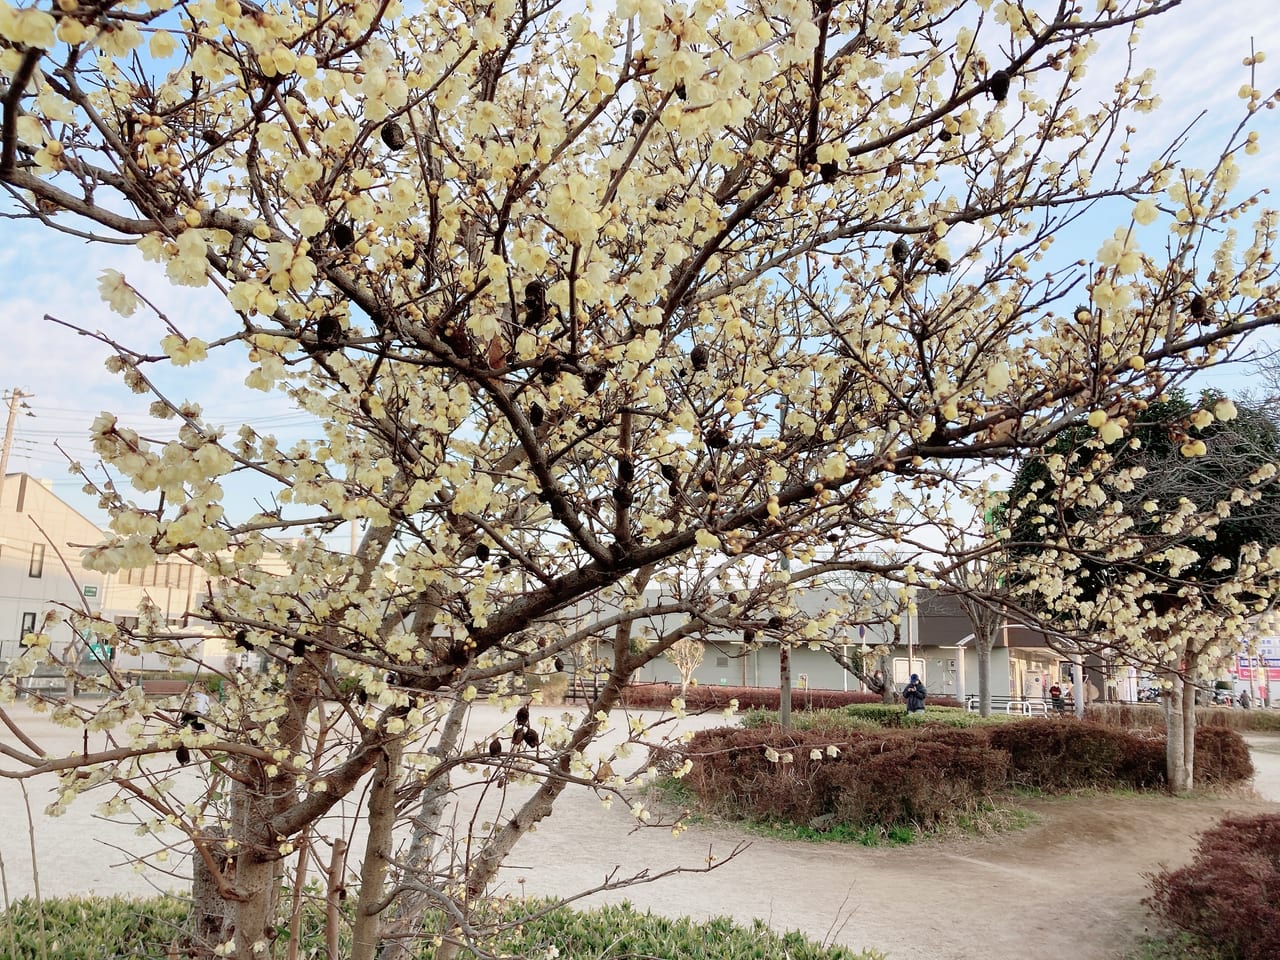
(1069, 884)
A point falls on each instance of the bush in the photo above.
(919, 778)
(1222, 757)
(86, 928)
(659, 695)
(1227, 895)
(836, 722)
(1131, 716)
(1063, 755)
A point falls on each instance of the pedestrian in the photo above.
(1244, 699)
(914, 693)
(1055, 695)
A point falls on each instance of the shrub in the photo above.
(1227, 895)
(660, 695)
(1222, 757)
(91, 928)
(1063, 755)
(1131, 716)
(918, 778)
(836, 722)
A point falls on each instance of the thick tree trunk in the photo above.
(1176, 769)
(381, 818)
(1189, 732)
(886, 671)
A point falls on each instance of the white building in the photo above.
(41, 539)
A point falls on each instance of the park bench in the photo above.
(1023, 706)
(156, 687)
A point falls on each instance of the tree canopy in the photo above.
(602, 316)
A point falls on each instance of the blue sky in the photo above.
(1196, 50)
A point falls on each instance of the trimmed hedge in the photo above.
(922, 777)
(900, 778)
(658, 696)
(1229, 895)
(1130, 716)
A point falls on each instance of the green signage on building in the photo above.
(90, 590)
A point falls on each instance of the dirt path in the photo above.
(1070, 885)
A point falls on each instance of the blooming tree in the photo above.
(601, 314)
(1160, 546)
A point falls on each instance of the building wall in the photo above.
(35, 522)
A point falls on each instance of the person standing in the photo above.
(914, 693)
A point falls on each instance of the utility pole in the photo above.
(14, 398)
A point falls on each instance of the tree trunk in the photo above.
(886, 671)
(1177, 772)
(411, 906)
(381, 817)
(485, 866)
(984, 676)
(784, 692)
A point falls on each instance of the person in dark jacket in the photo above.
(914, 693)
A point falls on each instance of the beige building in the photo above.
(41, 538)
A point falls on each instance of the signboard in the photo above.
(90, 590)
(1258, 668)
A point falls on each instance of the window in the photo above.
(28, 626)
(37, 562)
(722, 661)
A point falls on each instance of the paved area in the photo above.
(1070, 885)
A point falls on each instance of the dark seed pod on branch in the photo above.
(299, 647)
(531, 738)
(775, 622)
(482, 552)
(242, 640)
(708, 482)
(558, 664)
(550, 370)
(503, 562)
(1082, 314)
(673, 490)
(522, 717)
(717, 438)
(342, 235)
(944, 135)
(639, 117)
(682, 91)
(592, 379)
(535, 304)
(328, 332)
(700, 356)
(942, 265)
(183, 755)
(998, 85)
(829, 171)
(623, 496)
(748, 635)
(626, 470)
(669, 473)
(900, 250)
(495, 747)
(535, 415)
(1197, 307)
(393, 135)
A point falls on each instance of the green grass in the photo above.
(1173, 947)
(116, 928)
(870, 717)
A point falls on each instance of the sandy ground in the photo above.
(1069, 885)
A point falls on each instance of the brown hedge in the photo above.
(1229, 895)
(659, 695)
(912, 778)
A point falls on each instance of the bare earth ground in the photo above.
(1069, 885)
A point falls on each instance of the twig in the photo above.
(8, 914)
(333, 894)
(35, 872)
(9, 132)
